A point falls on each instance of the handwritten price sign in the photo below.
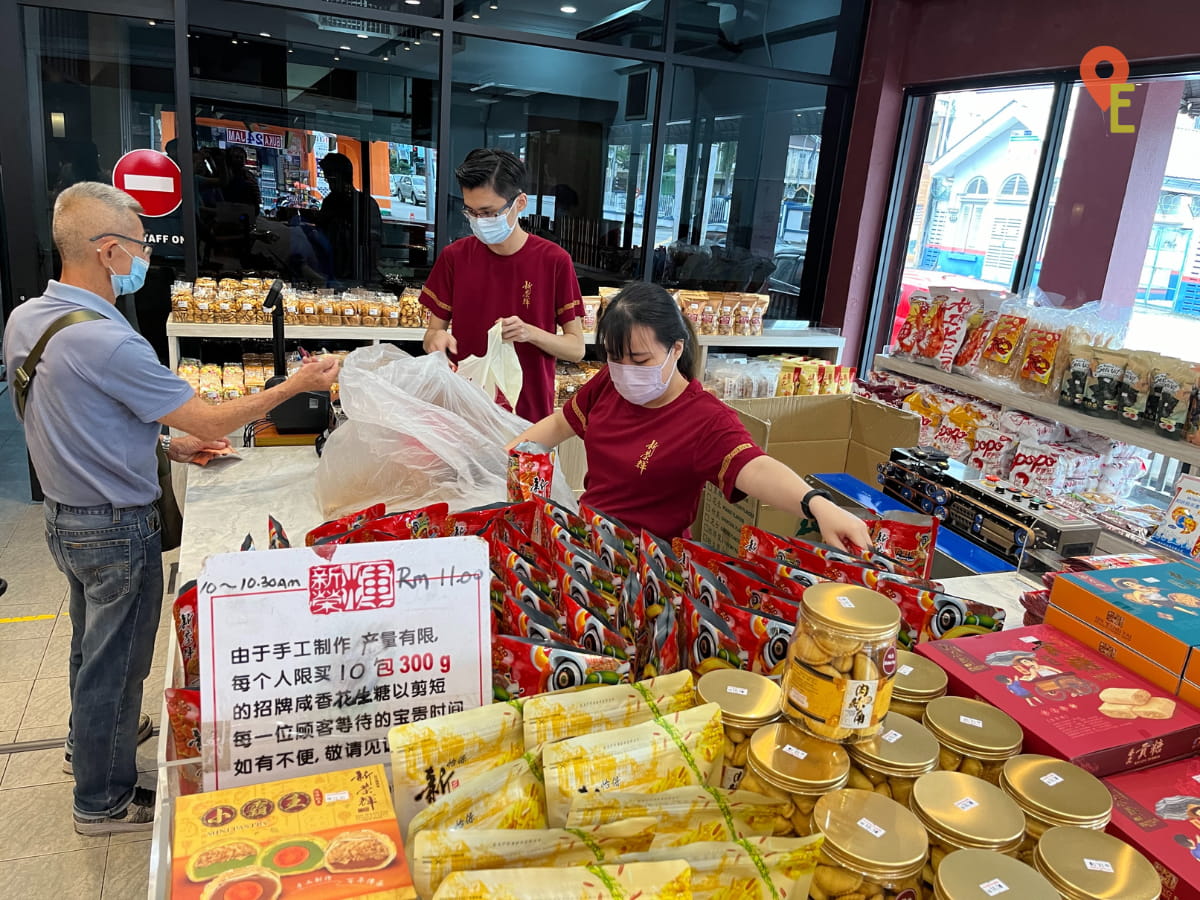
(308, 661)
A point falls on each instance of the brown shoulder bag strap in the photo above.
(23, 377)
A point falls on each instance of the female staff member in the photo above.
(654, 436)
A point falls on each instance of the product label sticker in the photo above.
(800, 699)
(1030, 639)
(846, 602)
(871, 828)
(906, 670)
(994, 887)
(892, 736)
(794, 751)
(967, 720)
(740, 691)
(858, 704)
(731, 777)
(966, 804)
(1098, 865)
(1052, 779)
(336, 796)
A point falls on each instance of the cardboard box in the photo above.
(325, 837)
(1192, 671)
(1189, 692)
(1110, 648)
(831, 433)
(1151, 813)
(1070, 700)
(1153, 608)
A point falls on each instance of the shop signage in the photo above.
(254, 138)
(152, 179)
(312, 657)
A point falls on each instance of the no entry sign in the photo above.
(151, 178)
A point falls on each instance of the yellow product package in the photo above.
(511, 795)
(645, 881)
(435, 854)
(684, 815)
(672, 751)
(432, 758)
(757, 869)
(560, 715)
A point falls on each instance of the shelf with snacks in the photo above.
(1015, 399)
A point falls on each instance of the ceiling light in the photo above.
(343, 47)
(234, 41)
(337, 59)
(474, 15)
(151, 22)
(290, 50)
(406, 47)
(362, 36)
(413, 2)
(264, 34)
(416, 43)
(569, 10)
(436, 33)
(386, 58)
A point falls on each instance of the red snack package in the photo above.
(585, 594)
(695, 553)
(519, 619)
(504, 539)
(523, 667)
(612, 556)
(589, 630)
(530, 580)
(277, 538)
(914, 325)
(666, 640)
(551, 514)
(749, 591)
(473, 521)
(606, 524)
(183, 717)
(763, 639)
(184, 612)
(908, 538)
(669, 564)
(415, 524)
(582, 564)
(344, 524)
(530, 471)
(708, 641)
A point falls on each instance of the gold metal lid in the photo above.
(1091, 865)
(1057, 792)
(973, 728)
(747, 700)
(918, 678)
(985, 875)
(859, 611)
(871, 834)
(903, 747)
(792, 760)
(967, 812)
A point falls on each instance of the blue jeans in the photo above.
(113, 562)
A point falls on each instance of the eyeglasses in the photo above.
(146, 247)
(473, 214)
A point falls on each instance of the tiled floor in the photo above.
(41, 856)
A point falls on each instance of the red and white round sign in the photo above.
(152, 179)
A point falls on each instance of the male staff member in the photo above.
(92, 418)
(503, 273)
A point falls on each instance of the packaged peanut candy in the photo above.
(725, 318)
(708, 318)
(1003, 355)
(744, 319)
(914, 325)
(1043, 340)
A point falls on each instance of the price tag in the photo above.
(794, 751)
(740, 691)
(906, 670)
(1030, 639)
(337, 796)
(1052, 779)
(846, 602)
(967, 720)
(1098, 865)
(966, 804)
(993, 887)
(871, 828)
(892, 736)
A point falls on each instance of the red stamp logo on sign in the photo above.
(351, 587)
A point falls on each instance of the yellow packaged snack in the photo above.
(433, 758)
(672, 751)
(560, 715)
(735, 870)
(435, 854)
(511, 795)
(685, 815)
(645, 881)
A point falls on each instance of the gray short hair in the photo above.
(86, 208)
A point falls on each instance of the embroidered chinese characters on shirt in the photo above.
(527, 293)
(644, 459)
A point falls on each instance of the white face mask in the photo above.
(492, 229)
(642, 384)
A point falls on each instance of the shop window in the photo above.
(1014, 187)
(581, 123)
(315, 145)
(738, 174)
(638, 25)
(977, 187)
(1169, 204)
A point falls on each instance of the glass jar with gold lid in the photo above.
(748, 702)
(786, 763)
(918, 680)
(841, 662)
(1051, 793)
(874, 847)
(892, 761)
(976, 738)
(1091, 865)
(985, 875)
(962, 812)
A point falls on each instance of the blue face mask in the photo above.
(132, 282)
(492, 229)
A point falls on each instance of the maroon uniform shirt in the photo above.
(473, 287)
(648, 467)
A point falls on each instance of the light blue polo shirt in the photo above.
(91, 420)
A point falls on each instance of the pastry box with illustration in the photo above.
(1072, 702)
(323, 837)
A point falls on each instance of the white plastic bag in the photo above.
(498, 369)
(417, 433)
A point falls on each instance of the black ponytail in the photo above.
(640, 303)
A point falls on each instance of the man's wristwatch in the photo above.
(808, 498)
(165, 440)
